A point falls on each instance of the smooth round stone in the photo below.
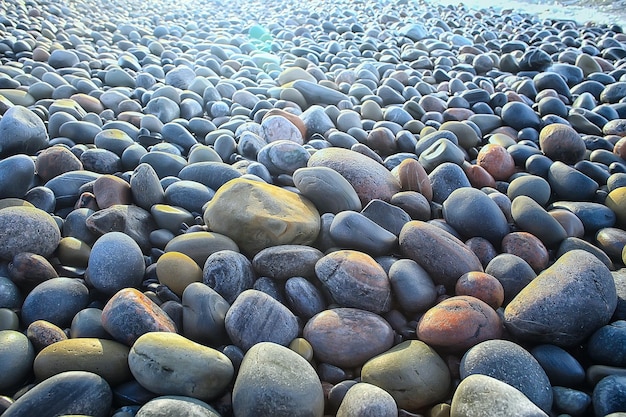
(16, 358)
(189, 195)
(100, 161)
(286, 261)
(170, 364)
(413, 177)
(612, 241)
(468, 138)
(561, 367)
(465, 210)
(247, 316)
(513, 273)
(605, 346)
(442, 255)
(318, 184)
(303, 297)
(28, 270)
(177, 271)
(446, 178)
(164, 163)
(367, 399)
(572, 225)
(369, 179)
(483, 286)
(204, 311)
(67, 186)
(56, 300)
(115, 262)
(42, 198)
(21, 131)
(110, 190)
(114, 140)
(412, 203)
(61, 58)
(354, 279)
(88, 323)
(27, 229)
(169, 405)
(354, 230)
(81, 132)
(347, 337)
(609, 395)
(439, 152)
(572, 243)
(570, 184)
(544, 310)
(496, 161)
(616, 201)
(10, 294)
(212, 174)
(519, 116)
(412, 372)
(272, 215)
(528, 247)
(164, 108)
(614, 92)
(458, 323)
(106, 358)
(68, 393)
(593, 216)
(229, 273)
(560, 142)
(478, 176)
(56, 160)
(532, 186)
(278, 127)
(42, 333)
(283, 157)
(570, 401)
(274, 380)
(129, 314)
(479, 395)
(531, 217)
(511, 364)
(200, 245)
(16, 176)
(130, 220)
(412, 287)
(171, 218)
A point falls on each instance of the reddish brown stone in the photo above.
(297, 121)
(562, 143)
(457, 114)
(496, 161)
(569, 221)
(413, 177)
(478, 176)
(42, 333)
(483, 286)
(382, 140)
(56, 160)
(459, 323)
(130, 314)
(483, 249)
(28, 270)
(110, 190)
(528, 247)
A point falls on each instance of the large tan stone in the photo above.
(257, 215)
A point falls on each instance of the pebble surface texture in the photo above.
(327, 208)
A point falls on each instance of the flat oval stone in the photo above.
(285, 261)
(605, 345)
(200, 245)
(368, 178)
(354, 230)
(168, 405)
(274, 380)
(573, 243)
(21, 131)
(177, 271)
(170, 364)
(544, 310)
(354, 279)
(479, 395)
(459, 322)
(106, 358)
(412, 372)
(513, 272)
(532, 186)
(88, 323)
(283, 157)
(570, 184)
(165, 164)
(347, 337)
(68, 393)
(28, 270)
(16, 358)
(528, 247)
(56, 300)
(145, 187)
(519, 116)
(212, 174)
(16, 176)
(442, 255)
(229, 273)
(27, 229)
(10, 294)
(319, 183)
(115, 262)
(512, 364)
(364, 398)
(171, 217)
(54, 161)
(129, 314)
(67, 186)
(560, 366)
(612, 241)
(570, 401)
(42, 333)
(532, 218)
(204, 313)
(248, 317)
(303, 297)
(465, 210)
(258, 215)
(412, 287)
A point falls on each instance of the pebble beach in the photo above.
(310, 209)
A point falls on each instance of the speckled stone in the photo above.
(229, 273)
(365, 399)
(168, 405)
(27, 229)
(21, 131)
(560, 142)
(285, 261)
(130, 220)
